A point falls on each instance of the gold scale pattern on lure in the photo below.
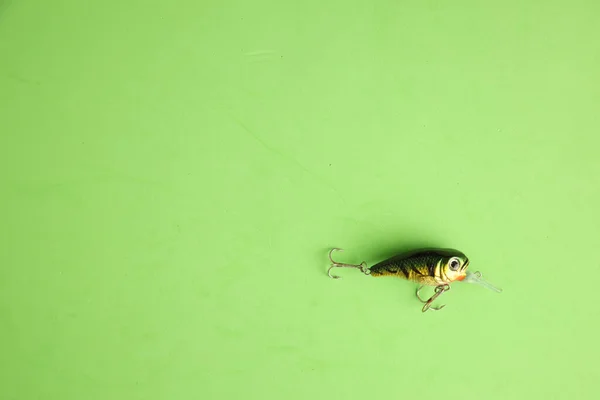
(427, 267)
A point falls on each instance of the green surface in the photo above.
(173, 174)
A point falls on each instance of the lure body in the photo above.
(432, 267)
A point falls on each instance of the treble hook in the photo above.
(438, 291)
(334, 264)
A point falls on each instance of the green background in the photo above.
(173, 174)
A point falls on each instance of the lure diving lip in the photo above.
(475, 277)
(435, 267)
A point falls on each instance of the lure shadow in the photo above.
(379, 245)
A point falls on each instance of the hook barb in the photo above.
(438, 291)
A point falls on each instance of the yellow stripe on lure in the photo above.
(427, 267)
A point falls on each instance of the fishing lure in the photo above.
(427, 267)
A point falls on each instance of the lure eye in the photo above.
(454, 264)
